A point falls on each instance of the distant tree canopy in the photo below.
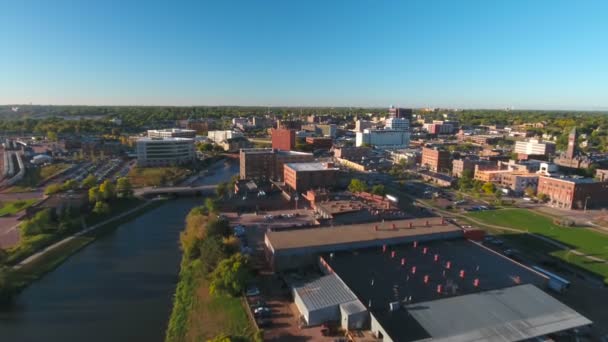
(357, 185)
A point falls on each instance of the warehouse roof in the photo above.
(303, 238)
(510, 314)
(378, 278)
(324, 292)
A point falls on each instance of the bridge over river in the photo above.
(177, 190)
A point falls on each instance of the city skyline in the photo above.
(471, 54)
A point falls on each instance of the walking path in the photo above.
(42, 252)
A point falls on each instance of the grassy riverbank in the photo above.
(52, 258)
(198, 314)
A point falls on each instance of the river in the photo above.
(119, 288)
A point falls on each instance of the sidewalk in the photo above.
(41, 253)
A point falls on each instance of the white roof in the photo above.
(510, 314)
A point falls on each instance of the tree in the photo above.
(357, 185)
(489, 188)
(52, 189)
(211, 250)
(107, 191)
(221, 338)
(70, 184)
(123, 187)
(37, 224)
(211, 205)
(221, 189)
(217, 227)
(101, 208)
(498, 194)
(465, 182)
(52, 136)
(230, 276)
(379, 190)
(530, 192)
(89, 182)
(94, 194)
(543, 197)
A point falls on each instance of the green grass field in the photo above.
(13, 207)
(156, 176)
(34, 176)
(580, 239)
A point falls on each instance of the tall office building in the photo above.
(164, 151)
(406, 113)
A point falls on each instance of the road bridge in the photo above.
(176, 190)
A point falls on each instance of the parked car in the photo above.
(497, 242)
(262, 311)
(252, 292)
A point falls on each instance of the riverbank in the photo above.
(198, 314)
(46, 260)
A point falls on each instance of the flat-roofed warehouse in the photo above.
(449, 290)
(515, 313)
(295, 248)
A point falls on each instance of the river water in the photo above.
(119, 288)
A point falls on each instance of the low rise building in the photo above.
(219, 136)
(518, 182)
(165, 151)
(350, 152)
(407, 157)
(574, 193)
(533, 148)
(304, 176)
(235, 144)
(267, 163)
(436, 159)
(320, 143)
(460, 165)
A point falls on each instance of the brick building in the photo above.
(460, 165)
(320, 143)
(351, 152)
(266, 163)
(305, 176)
(436, 159)
(283, 139)
(574, 193)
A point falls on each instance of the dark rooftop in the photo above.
(379, 279)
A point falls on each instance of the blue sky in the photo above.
(473, 54)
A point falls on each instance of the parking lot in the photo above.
(271, 291)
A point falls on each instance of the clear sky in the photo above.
(452, 53)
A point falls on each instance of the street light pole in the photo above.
(586, 199)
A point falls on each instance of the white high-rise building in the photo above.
(164, 151)
(401, 124)
(534, 147)
(383, 138)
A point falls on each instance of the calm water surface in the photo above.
(119, 288)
